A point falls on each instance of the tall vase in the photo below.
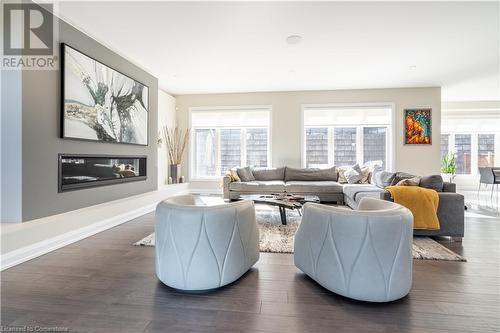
(175, 172)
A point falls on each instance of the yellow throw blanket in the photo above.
(422, 202)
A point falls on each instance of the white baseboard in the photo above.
(26, 253)
(37, 249)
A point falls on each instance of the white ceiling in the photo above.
(201, 47)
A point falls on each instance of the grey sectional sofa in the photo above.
(324, 183)
(450, 210)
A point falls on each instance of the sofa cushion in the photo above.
(434, 182)
(353, 190)
(263, 186)
(353, 175)
(245, 174)
(340, 175)
(409, 182)
(400, 176)
(362, 195)
(382, 178)
(296, 186)
(310, 174)
(269, 173)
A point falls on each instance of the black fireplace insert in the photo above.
(83, 171)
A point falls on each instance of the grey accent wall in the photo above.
(41, 100)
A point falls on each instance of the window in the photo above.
(317, 146)
(344, 145)
(473, 135)
(205, 152)
(463, 148)
(374, 144)
(486, 150)
(256, 144)
(230, 148)
(224, 138)
(472, 150)
(347, 135)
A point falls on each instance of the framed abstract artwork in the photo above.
(100, 103)
(417, 126)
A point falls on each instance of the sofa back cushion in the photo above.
(354, 175)
(310, 174)
(401, 176)
(434, 182)
(381, 178)
(269, 173)
(245, 174)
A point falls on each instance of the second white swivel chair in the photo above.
(364, 254)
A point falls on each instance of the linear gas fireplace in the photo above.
(82, 171)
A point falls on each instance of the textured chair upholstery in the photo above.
(363, 254)
(204, 247)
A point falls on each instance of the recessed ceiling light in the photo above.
(293, 39)
(412, 67)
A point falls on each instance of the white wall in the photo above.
(166, 117)
(286, 121)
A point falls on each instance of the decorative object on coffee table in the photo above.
(282, 201)
(176, 140)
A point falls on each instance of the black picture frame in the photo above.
(63, 135)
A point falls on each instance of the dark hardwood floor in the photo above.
(104, 284)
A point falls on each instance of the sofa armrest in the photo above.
(449, 187)
(226, 180)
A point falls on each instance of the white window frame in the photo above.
(242, 108)
(390, 134)
(474, 167)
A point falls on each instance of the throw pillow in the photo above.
(434, 182)
(341, 177)
(409, 182)
(400, 176)
(366, 173)
(231, 173)
(234, 175)
(245, 174)
(354, 174)
(382, 178)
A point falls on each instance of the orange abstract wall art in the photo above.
(417, 126)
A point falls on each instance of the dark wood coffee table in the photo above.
(282, 202)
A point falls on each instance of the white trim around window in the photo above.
(474, 149)
(391, 131)
(243, 127)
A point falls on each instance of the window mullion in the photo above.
(331, 147)
(359, 145)
(218, 150)
(474, 160)
(243, 143)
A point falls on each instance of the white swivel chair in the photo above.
(364, 254)
(200, 247)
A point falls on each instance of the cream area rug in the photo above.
(278, 238)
